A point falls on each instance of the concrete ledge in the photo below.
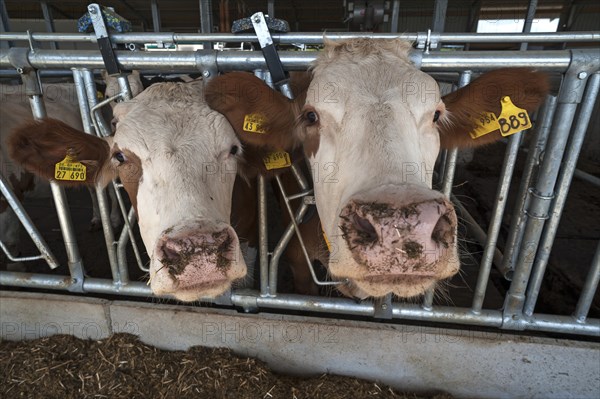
(464, 363)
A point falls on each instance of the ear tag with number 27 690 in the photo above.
(69, 169)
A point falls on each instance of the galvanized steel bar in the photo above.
(564, 182)
(395, 16)
(49, 21)
(312, 37)
(589, 289)
(33, 232)
(186, 61)
(580, 174)
(86, 95)
(536, 148)
(248, 299)
(530, 14)
(542, 193)
(206, 21)
(439, 15)
(263, 237)
(155, 15)
(450, 167)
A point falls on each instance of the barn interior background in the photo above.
(540, 187)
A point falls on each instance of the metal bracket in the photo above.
(427, 41)
(18, 57)
(583, 64)
(534, 193)
(383, 307)
(278, 74)
(104, 43)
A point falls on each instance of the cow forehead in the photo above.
(369, 72)
(170, 117)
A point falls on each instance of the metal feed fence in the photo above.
(559, 131)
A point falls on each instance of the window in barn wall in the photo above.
(516, 25)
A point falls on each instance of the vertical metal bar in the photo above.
(543, 191)
(439, 15)
(124, 87)
(485, 267)
(49, 21)
(122, 245)
(33, 232)
(263, 236)
(464, 79)
(62, 210)
(536, 148)
(564, 182)
(206, 20)
(395, 16)
(4, 25)
(531, 8)
(86, 94)
(589, 289)
(155, 15)
(271, 8)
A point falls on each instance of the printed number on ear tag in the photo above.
(69, 169)
(277, 160)
(512, 119)
(486, 123)
(254, 123)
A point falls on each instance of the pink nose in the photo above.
(194, 258)
(391, 239)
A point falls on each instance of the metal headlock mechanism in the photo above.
(280, 80)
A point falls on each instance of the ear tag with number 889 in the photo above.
(512, 119)
(70, 170)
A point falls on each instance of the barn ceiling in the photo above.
(303, 15)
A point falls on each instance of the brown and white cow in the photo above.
(377, 123)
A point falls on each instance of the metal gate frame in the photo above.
(541, 200)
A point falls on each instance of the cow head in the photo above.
(177, 159)
(371, 125)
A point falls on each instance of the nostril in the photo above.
(170, 251)
(443, 231)
(365, 228)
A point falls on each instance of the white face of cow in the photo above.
(177, 160)
(371, 118)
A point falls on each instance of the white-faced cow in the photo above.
(378, 122)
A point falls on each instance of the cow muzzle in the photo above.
(196, 261)
(399, 246)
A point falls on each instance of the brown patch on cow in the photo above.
(526, 87)
(311, 144)
(238, 94)
(39, 145)
(130, 173)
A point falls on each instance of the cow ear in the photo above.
(526, 88)
(39, 145)
(260, 116)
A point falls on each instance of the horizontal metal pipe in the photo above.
(488, 318)
(580, 174)
(311, 37)
(171, 61)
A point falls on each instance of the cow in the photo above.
(376, 121)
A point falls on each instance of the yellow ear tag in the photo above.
(326, 240)
(486, 123)
(69, 169)
(254, 123)
(512, 119)
(277, 160)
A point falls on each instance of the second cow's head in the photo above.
(371, 125)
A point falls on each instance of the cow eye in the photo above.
(234, 150)
(119, 156)
(311, 117)
(436, 116)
